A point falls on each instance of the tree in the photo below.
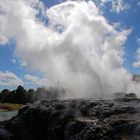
(30, 95)
(20, 95)
(6, 95)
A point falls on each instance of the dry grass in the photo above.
(10, 107)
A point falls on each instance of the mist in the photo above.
(72, 44)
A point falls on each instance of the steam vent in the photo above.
(76, 119)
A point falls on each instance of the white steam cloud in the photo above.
(77, 48)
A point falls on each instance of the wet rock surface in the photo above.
(76, 119)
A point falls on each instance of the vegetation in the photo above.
(18, 96)
(23, 96)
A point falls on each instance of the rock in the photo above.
(5, 135)
(77, 119)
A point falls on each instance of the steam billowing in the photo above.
(77, 48)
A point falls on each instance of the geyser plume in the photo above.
(76, 48)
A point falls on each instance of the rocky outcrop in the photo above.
(77, 119)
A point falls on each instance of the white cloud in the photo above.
(138, 41)
(119, 6)
(36, 80)
(105, 1)
(137, 62)
(19, 61)
(138, 3)
(9, 79)
(22, 63)
(78, 48)
(14, 60)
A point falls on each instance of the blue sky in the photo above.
(131, 19)
(128, 18)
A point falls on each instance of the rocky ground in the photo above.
(76, 119)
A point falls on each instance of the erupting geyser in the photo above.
(79, 52)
